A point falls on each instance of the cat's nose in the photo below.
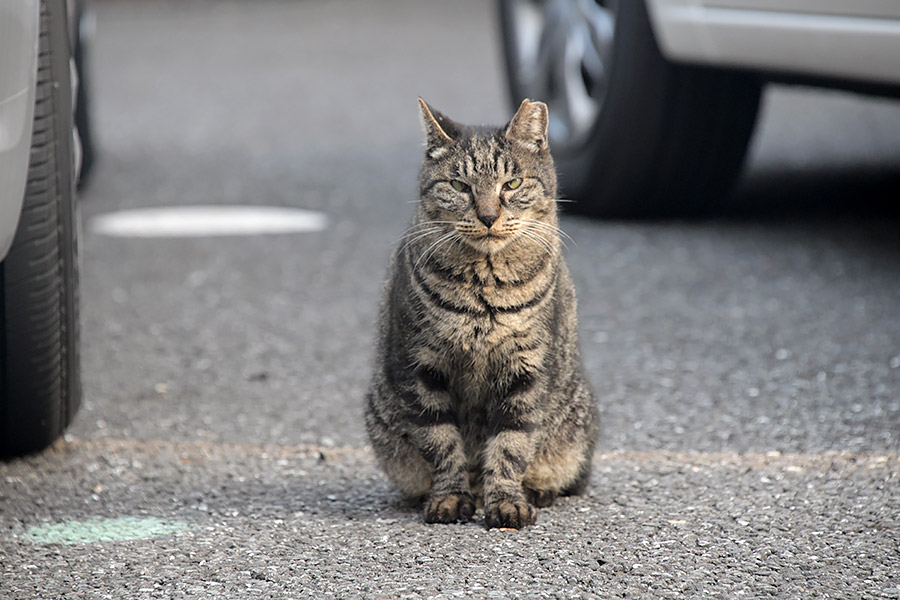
(487, 209)
(488, 219)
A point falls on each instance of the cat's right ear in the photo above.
(440, 131)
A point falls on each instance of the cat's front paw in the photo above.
(541, 498)
(449, 508)
(511, 514)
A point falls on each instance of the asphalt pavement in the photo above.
(747, 365)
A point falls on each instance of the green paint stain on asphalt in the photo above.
(103, 530)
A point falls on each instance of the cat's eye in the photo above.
(513, 183)
(459, 186)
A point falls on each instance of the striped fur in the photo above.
(478, 393)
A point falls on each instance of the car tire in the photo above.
(40, 386)
(659, 139)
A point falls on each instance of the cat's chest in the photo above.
(481, 328)
(486, 306)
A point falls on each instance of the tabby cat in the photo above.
(478, 393)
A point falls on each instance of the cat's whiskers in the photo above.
(423, 224)
(430, 250)
(421, 230)
(548, 226)
(419, 236)
(521, 226)
(466, 228)
(452, 242)
(552, 229)
(538, 239)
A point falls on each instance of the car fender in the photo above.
(19, 30)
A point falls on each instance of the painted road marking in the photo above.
(103, 530)
(204, 221)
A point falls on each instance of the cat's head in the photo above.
(491, 185)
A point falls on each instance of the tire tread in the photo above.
(39, 379)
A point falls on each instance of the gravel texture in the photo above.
(314, 522)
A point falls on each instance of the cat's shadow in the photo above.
(364, 499)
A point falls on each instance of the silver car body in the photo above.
(19, 31)
(855, 40)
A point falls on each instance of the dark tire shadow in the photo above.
(816, 192)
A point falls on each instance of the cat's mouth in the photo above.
(489, 242)
(492, 240)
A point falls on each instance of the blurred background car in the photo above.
(41, 155)
(653, 102)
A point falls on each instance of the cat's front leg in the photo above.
(507, 455)
(440, 442)
(506, 459)
(450, 500)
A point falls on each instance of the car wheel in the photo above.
(39, 359)
(632, 134)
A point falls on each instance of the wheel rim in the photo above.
(563, 50)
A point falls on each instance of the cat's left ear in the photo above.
(440, 131)
(528, 126)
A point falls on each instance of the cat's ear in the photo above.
(528, 126)
(440, 131)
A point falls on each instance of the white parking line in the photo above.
(204, 221)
